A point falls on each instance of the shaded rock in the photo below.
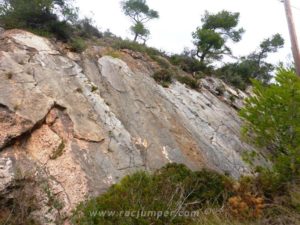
(6, 174)
(11, 126)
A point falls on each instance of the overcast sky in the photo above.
(179, 18)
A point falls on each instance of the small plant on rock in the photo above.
(189, 81)
(163, 77)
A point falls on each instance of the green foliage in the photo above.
(153, 53)
(272, 118)
(61, 29)
(39, 15)
(134, 46)
(254, 66)
(113, 53)
(140, 13)
(237, 74)
(187, 63)
(210, 39)
(58, 152)
(271, 45)
(202, 186)
(78, 44)
(162, 61)
(86, 29)
(189, 81)
(138, 10)
(163, 77)
(171, 188)
(140, 31)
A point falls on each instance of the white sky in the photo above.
(179, 18)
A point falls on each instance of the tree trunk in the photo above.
(135, 37)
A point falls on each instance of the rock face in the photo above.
(82, 122)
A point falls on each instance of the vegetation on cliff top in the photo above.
(59, 18)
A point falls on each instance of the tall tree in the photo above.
(272, 122)
(140, 31)
(42, 15)
(210, 39)
(253, 66)
(262, 69)
(140, 13)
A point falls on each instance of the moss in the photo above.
(59, 151)
(114, 54)
(94, 88)
(53, 201)
(16, 107)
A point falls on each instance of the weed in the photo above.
(163, 77)
(189, 81)
(58, 152)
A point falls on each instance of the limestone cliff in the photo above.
(82, 122)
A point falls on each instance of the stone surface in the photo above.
(6, 174)
(84, 122)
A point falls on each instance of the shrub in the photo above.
(114, 54)
(78, 45)
(61, 29)
(163, 77)
(187, 63)
(58, 152)
(16, 209)
(163, 62)
(168, 189)
(272, 122)
(40, 16)
(134, 46)
(86, 29)
(126, 44)
(189, 81)
(237, 74)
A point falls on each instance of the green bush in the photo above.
(189, 81)
(162, 62)
(86, 29)
(168, 189)
(201, 186)
(235, 74)
(187, 63)
(272, 122)
(78, 45)
(41, 16)
(134, 46)
(163, 77)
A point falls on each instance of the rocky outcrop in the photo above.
(6, 174)
(82, 122)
